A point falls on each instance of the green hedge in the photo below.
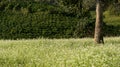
(13, 26)
(35, 25)
(16, 26)
(34, 20)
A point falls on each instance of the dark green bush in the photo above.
(110, 30)
(30, 25)
(33, 20)
(114, 9)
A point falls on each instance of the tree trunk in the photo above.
(98, 36)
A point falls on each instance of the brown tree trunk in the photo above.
(98, 36)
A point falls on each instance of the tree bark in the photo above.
(98, 36)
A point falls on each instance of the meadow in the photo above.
(60, 53)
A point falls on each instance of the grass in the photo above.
(60, 53)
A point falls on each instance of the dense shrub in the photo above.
(114, 9)
(111, 30)
(41, 25)
(32, 20)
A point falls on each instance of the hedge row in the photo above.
(31, 20)
(20, 25)
(34, 20)
(16, 26)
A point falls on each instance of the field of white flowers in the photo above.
(60, 53)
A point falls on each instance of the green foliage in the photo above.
(3, 4)
(112, 26)
(75, 7)
(34, 19)
(41, 25)
(114, 9)
(112, 30)
(111, 19)
(59, 53)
